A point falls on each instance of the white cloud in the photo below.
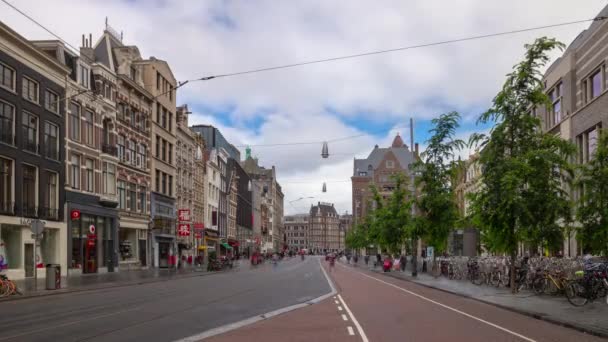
(201, 38)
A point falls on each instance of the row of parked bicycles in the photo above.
(580, 281)
(7, 287)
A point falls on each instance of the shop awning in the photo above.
(227, 246)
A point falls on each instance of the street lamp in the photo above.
(324, 189)
(325, 150)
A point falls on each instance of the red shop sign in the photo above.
(75, 214)
(198, 235)
(183, 215)
(199, 226)
(183, 229)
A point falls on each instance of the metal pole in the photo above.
(413, 189)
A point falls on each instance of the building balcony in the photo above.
(108, 200)
(7, 208)
(109, 149)
(49, 214)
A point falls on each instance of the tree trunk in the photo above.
(512, 271)
(415, 258)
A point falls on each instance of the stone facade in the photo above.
(324, 233)
(296, 231)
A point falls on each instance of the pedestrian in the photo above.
(402, 262)
(378, 260)
(332, 262)
(366, 259)
(275, 261)
(348, 258)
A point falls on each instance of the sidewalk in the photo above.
(87, 282)
(591, 318)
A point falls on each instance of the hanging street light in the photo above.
(324, 187)
(325, 150)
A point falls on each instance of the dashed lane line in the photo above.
(339, 308)
(354, 320)
(344, 317)
(447, 307)
(351, 332)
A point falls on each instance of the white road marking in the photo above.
(355, 322)
(344, 317)
(351, 332)
(448, 307)
(336, 302)
(339, 308)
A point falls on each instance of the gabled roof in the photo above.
(324, 209)
(403, 154)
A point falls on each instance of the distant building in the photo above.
(465, 241)
(215, 139)
(324, 233)
(296, 231)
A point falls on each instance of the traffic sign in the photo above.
(37, 227)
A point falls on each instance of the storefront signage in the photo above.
(183, 229)
(183, 215)
(75, 214)
(198, 235)
(199, 226)
(28, 221)
(92, 229)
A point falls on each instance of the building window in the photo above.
(390, 164)
(122, 199)
(7, 77)
(83, 76)
(75, 172)
(88, 127)
(164, 183)
(170, 121)
(594, 84)
(164, 150)
(170, 185)
(132, 197)
(157, 146)
(170, 153)
(51, 193)
(29, 190)
(158, 79)
(51, 141)
(158, 112)
(121, 111)
(141, 156)
(131, 152)
(30, 89)
(157, 180)
(74, 121)
(121, 147)
(109, 178)
(163, 122)
(51, 101)
(89, 171)
(29, 132)
(133, 73)
(6, 185)
(142, 199)
(7, 115)
(556, 104)
(587, 143)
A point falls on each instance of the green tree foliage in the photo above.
(436, 202)
(357, 237)
(388, 223)
(521, 197)
(592, 212)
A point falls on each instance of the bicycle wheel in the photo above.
(3, 289)
(539, 284)
(576, 294)
(495, 278)
(551, 288)
(478, 278)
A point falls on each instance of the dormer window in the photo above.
(390, 164)
(133, 73)
(83, 76)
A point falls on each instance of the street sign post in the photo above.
(37, 228)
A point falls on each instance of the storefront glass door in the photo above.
(29, 260)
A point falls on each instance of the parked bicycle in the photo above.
(590, 284)
(7, 287)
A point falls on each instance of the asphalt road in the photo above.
(163, 311)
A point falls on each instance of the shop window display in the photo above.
(10, 247)
(128, 244)
(49, 247)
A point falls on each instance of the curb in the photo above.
(261, 317)
(531, 314)
(103, 287)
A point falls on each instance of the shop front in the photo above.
(164, 244)
(18, 255)
(132, 247)
(92, 236)
(210, 242)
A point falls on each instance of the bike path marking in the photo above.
(354, 320)
(446, 307)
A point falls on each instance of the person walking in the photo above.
(402, 262)
(332, 262)
(366, 259)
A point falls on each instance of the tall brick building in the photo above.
(376, 170)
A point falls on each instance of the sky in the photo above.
(370, 99)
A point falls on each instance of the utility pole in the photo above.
(413, 189)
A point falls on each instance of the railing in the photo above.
(109, 149)
(29, 211)
(49, 213)
(7, 208)
(30, 146)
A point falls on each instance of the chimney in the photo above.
(416, 147)
(86, 50)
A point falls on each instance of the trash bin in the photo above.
(53, 277)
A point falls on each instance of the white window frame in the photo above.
(14, 88)
(84, 81)
(26, 96)
(56, 199)
(54, 109)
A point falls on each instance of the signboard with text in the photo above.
(199, 226)
(183, 229)
(183, 215)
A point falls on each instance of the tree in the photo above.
(388, 223)
(357, 237)
(522, 167)
(592, 211)
(437, 203)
